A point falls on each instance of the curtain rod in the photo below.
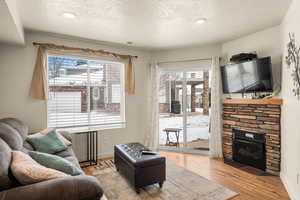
(76, 48)
(188, 60)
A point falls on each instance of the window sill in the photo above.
(94, 128)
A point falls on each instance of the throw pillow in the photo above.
(27, 171)
(55, 162)
(45, 131)
(49, 143)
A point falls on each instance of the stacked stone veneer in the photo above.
(256, 118)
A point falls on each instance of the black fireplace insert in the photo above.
(249, 148)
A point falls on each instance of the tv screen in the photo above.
(247, 77)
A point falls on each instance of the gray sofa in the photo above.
(12, 137)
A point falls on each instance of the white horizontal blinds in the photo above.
(105, 90)
(81, 92)
(68, 81)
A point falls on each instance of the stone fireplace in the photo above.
(254, 116)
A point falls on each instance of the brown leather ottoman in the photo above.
(140, 170)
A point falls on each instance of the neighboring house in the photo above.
(198, 97)
(68, 82)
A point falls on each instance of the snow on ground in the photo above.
(197, 128)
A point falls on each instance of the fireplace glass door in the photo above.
(250, 153)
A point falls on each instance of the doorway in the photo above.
(184, 109)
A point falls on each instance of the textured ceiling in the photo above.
(153, 24)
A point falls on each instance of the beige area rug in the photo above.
(181, 184)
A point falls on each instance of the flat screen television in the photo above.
(248, 77)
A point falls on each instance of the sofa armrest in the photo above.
(66, 134)
(73, 187)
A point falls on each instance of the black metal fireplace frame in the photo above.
(243, 141)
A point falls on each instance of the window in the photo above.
(85, 93)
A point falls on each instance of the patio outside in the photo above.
(197, 110)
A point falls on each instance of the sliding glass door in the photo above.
(184, 104)
(197, 110)
(170, 109)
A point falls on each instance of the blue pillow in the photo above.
(55, 162)
(49, 143)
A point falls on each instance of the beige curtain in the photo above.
(129, 78)
(152, 132)
(215, 139)
(39, 84)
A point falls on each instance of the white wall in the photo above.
(290, 110)
(10, 23)
(264, 43)
(13, 6)
(187, 53)
(16, 69)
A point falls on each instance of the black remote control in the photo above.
(148, 152)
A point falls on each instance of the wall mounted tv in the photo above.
(248, 77)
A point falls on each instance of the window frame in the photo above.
(116, 125)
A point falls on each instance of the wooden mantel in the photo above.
(273, 101)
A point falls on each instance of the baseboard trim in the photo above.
(105, 155)
(287, 186)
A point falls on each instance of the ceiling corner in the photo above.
(12, 30)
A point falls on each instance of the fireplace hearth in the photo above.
(249, 148)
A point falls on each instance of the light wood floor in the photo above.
(249, 185)
(246, 182)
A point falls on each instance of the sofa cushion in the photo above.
(5, 155)
(55, 162)
(68, 152)
(11, 136)
(18, 125)
(27, 146)
(48, 130)
(28, 171)
(65, 134)
(49, 143)
(74, 160)
(70, 156)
